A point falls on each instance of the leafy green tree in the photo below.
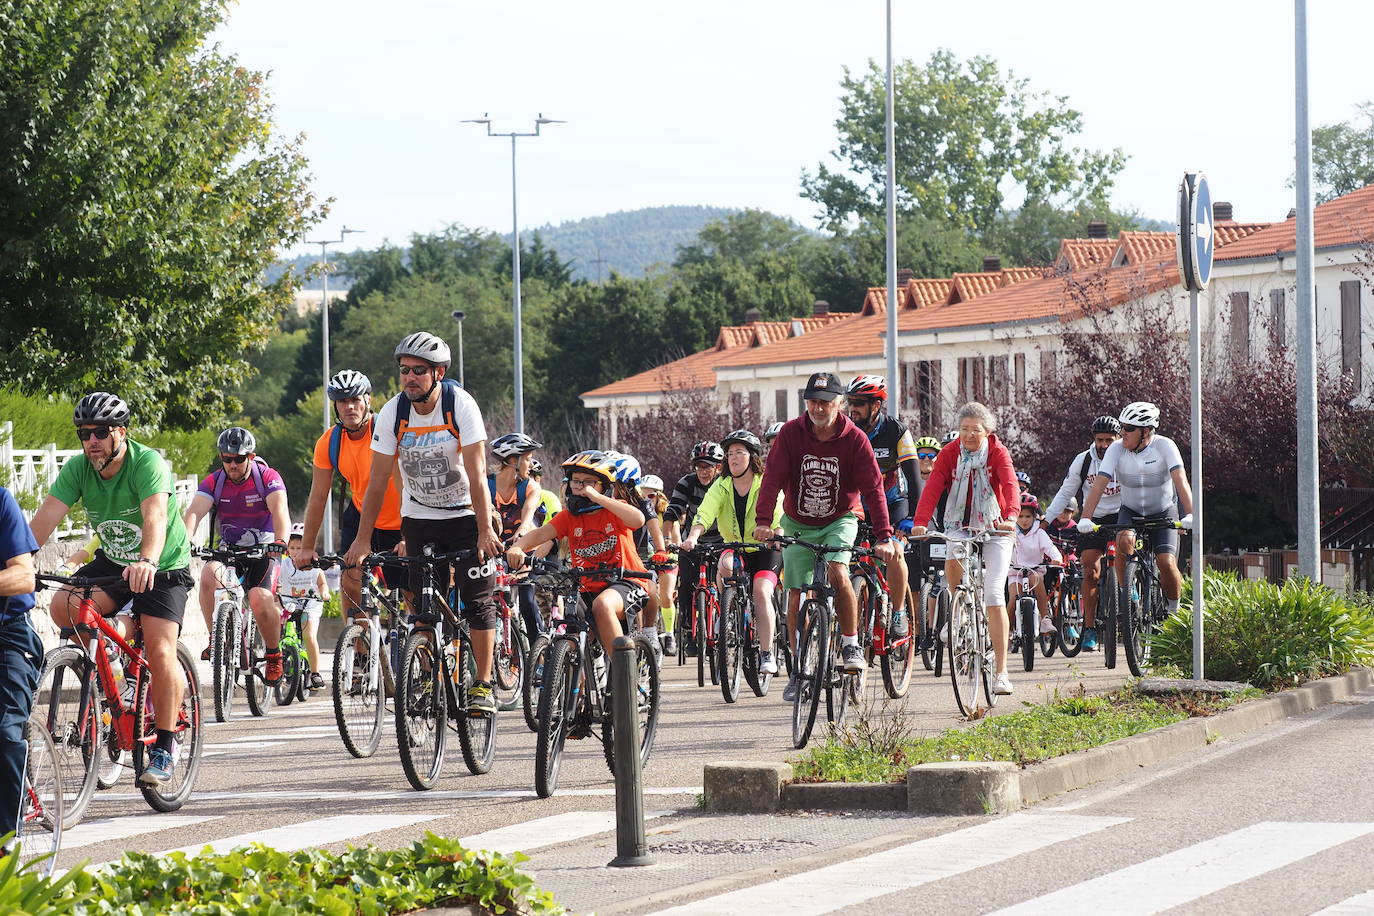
(142, 195)
(1343, 155)
(261, 394)
(965, 133)
(1030, 235)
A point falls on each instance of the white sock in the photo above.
(651, 632)
(1171, 604)
(849, 640)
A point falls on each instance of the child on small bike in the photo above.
(1033, 547)
(308, 590)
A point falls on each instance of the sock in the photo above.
(669, 615)
(1171, 604)
(849, 640)
(164, 739)
(651, 632)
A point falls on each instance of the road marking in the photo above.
(547, 831)
(320, 832)
(363, 797)
(843, 884)
(1184, 875)
(1359, 905)
(88, 833)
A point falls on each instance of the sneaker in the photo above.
(158, 770)
(481, 700)
(1001, 685)
(205, 655)
(272, 671)
(900, 624)
(789, 693)
(670, 644)
(767, 664)
(1090, 639)
(1046, 626)
(1072, 633)
(316, 681)
(852, 659)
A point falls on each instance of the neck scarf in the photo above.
(972, 502)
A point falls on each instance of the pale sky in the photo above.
(725, 103)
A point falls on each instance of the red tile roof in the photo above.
(1230, 231)
(1076, 254)
(1341, 223)
(971, 286)
(928, 292)
(1143, 247)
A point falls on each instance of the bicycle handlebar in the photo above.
(84, 583)
(788, 540)
(233, 555)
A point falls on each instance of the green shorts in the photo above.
(797, 562)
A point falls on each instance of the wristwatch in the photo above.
(146, 560)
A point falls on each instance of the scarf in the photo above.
(972, 503)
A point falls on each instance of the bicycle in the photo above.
(705, 610)
(933, 591)
(969, 647)
(1141, 596)
(237, 647)
(1025, 619)
(895, 654)
(39, 834)
(80, 703)
(1108, 596)
(294, 683)
(574, 697)
(1067, 600)
(512, 642)
(736, 637)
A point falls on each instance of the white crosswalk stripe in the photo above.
(322, 832)
(1359, 905)
(88, 833)
(824, 890)
(1185, 875)
(547, 831)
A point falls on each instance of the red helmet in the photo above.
(868, 386)
(1028, 501)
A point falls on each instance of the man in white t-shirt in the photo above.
(433, 429)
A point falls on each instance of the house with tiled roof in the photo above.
(986, 335)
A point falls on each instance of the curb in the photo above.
(986, 788)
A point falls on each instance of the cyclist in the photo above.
(648, 537)
(823, 464)
(1033, 547)
(21, 654)
(347, 448)
(548, 500)
(866, 398)
(1082, 474)
(127, 490)
(687, 494)
(951, 436)
(304, 587)
(769, 435)
(1153, 482)
(729, 504)
(927, 448)
(1023, 483)
(975, 485)
(651, 485)
(599, 518)
(433, 431)
(515, 497)
(246, 501)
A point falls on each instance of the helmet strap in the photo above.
(434, 383)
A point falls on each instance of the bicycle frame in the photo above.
(94, 634)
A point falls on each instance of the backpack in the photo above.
(448, 398)
(336, 433)
(255, 469)
(1083, 469)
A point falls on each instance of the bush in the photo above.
(1268, 635)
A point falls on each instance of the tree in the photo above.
(662, 439)
(1343, 155)
(965, 133)
(142, 196)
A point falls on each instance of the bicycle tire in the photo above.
(67, 707)
(700, 609)
(476, 733)
(1030, 624)
(840, 686)
(752, 660)
(421, 710)
(111, 760)
(899, 661)
(557, 706)
(507, 660)
(965, 653)
(254, 678)
(924, 626)
(41, 813)
(1135, 620)
(1107, 601)
(187, 739)
(728, 623)
(284, 690)
(224, 653)
(867, 609)
(811, 669)
(782, 645)
(536, 661)
(942, 612)
(1070, 618)
(1049, 642)
(647, 689)
(358, 707)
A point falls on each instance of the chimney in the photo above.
(751, 316)
(1097, 229)
(1292, 212)
(991, 264)
(1221, 211)
(904, 276)
(820, 309)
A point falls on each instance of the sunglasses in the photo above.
(1127, 428)
(233, 459)
(100, 432)
(926, 456)
(416, 370)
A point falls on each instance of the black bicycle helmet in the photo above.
(1106, 424)
(745, 438)
(100, 408)
(236, 441)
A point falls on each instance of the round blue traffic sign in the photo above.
(1203, 234)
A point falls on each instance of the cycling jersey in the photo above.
(1145, 476)
(242, 516)
(682, 507)
(596, 538)
(431, 457)
(718, 509)
(1083, 470)
(509, 508)
(892, 448)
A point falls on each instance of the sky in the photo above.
(726, 103)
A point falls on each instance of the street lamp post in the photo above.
(324, 348)
(539, 123)
(458, 317)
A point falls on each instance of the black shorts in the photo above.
(383, 540)
(763, 560)
(1162, 540)
(631, 594)
(166, 600)
(1096, 540)
(474, 579)
(260, 573)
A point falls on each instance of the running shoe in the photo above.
(1046, 626)
(1090, 639)
(481, 700)
(767, 664)
(789, 693)
(852, 658)
(1001, 685)
(158, 770)
(272, 671)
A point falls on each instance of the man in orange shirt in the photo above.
(351, 441)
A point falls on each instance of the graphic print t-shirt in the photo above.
(598, 538)
(430, 456)
(242, 515)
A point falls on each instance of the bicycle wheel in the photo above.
(1070, 635)
(1108, 601)
(867, 603)
(965, 653)
(476, 731)
(421, 709)
(284, 691)
(41, 813)
(187, 736)
(728, 624)
(254, 682)
(67, 706)
(646, 704)
(558, 700)
(1135, 618)
(110, 760)
(1050, 641)
(357, 697)
(898, 660)
(812, 669)
(700, 614)
(782, 646)
(942, 612)
(839, 686)
(508, 661)
(224, 658)
(1030, 625)
(536, 661)
(930, 652)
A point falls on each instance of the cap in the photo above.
(823, 386)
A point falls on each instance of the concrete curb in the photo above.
(956, 788)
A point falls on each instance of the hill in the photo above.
(628, 242)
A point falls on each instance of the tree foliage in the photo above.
(1343, 155)
(142, 195)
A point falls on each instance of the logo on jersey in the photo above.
(820, 490)
(592, 551)
(120, 538)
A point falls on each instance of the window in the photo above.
(1049, 365)
(998, 380)
(755, 407)
(926, 391)
(1240, 327)
(1019, 364)
(780, 403)
(1278, 315)
(1351, 351)
(979, 378)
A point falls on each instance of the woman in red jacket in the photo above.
(975, 483)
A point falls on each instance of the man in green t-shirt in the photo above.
(127, 488)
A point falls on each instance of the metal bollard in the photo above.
(630, 846)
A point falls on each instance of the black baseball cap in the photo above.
(823, 386)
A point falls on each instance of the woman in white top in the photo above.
(1150, 470)
(1033, 547)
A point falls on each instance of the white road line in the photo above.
(824, 890)
(363, 797)
(313, 833)
(1359, 905)
(88, 833)
(232, 746)
(1184, 875)
(547, 831)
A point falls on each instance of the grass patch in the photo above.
(881, 748)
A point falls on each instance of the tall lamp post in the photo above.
(539, 123)
(458, 317)
(324, 347)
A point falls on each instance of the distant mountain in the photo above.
(628, 242)
(299, 265)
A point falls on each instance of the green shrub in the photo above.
(1268, 635)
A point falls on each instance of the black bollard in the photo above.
(630, 846)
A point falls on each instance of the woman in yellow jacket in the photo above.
(729, 503)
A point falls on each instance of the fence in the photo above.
(1338, 567)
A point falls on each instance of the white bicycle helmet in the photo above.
(651, 482)
(1140, 413)
(298, 530)
(772, 432)
(350, 383)
(424, 345)
(513, 445)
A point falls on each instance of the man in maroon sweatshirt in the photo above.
(824, 465)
